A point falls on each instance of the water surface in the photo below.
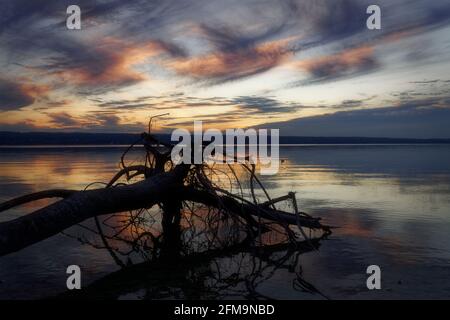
(390, 202)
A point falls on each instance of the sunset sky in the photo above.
(308, 67)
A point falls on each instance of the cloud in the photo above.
(206, 42)
(24, 125)
(234, 60)
(226, 39)
(34, 34)
(93, 60)
(110, 122)
(248, 105)
(264, 105)
(94, 121)
(348, 63)
(14, 96)
(246, 37)
(63, 120)
(114, 115)
(344, 21)
(426, 118)
(337, 19)
(52, 105)
(107, 64)
(434, 81)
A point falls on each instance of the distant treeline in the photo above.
(51, 138)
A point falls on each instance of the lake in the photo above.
(391, 204)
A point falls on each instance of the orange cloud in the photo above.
(112, 62)
(333, 65)
(348, 63)
(234, 64)
(35, 91)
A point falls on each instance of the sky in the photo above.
(306, 67)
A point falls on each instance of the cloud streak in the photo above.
(344, 64)
(14, 95)
(106, 65)
(425, 118)
(234, 58)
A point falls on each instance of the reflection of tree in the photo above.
(233, 272)
(158, 213)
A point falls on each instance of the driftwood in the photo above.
(171, 188)
(43, 223)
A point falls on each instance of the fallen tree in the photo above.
(79, 206)
(176, 191)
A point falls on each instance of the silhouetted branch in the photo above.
(54, 193)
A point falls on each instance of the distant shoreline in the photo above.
(46, 139)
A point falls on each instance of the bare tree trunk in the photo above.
(171, 218)
(46, 222)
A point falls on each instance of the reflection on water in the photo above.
(391, 204)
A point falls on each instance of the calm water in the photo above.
(392, 204)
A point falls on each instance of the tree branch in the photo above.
(53, 193)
